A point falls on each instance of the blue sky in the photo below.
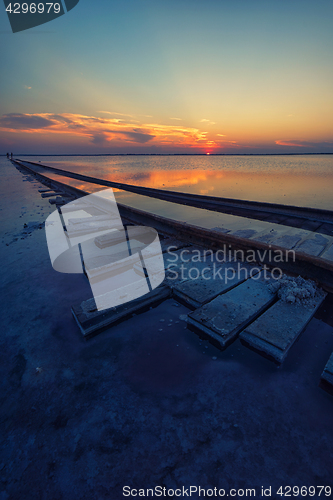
(188, 76)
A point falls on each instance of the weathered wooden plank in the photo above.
(216, 280)
(224, 317)
(91, 322)
(275, 331)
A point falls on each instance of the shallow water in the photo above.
(302, 180)
(143, 400)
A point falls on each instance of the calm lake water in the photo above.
(305, 180)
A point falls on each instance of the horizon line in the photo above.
(170, 154)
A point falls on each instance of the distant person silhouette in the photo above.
(7, 155)
(11, 155)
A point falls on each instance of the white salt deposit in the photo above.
(296, 290)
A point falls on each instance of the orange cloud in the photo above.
(297, 144)
(101, 131)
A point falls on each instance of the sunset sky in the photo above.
(170, 76)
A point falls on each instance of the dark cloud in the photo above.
(99, 138)
(139, 137)
(76, 126)
(61, 118)
(140, 176)
(24, 122)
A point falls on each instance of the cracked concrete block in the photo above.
(223, 318)
(275, 331)
(91, 321)
(217, 280)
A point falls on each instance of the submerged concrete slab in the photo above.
(327, 374)
(91, 322)
(217, 279)
(275, 331)
(223, 318)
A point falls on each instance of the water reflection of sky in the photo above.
(291, 180)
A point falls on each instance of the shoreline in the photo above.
(175, 154)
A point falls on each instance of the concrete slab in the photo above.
(60, 200)
(223, 318)
(91, 322)
(328, 254)
(327, 375)
(217, 280)
(275, 331)
(272, 233)
(313, 245)
(221, 229)
(290, 240)
(255, 230)
(49, 194)
(188, 263)
(244, 233)
(109, 239)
